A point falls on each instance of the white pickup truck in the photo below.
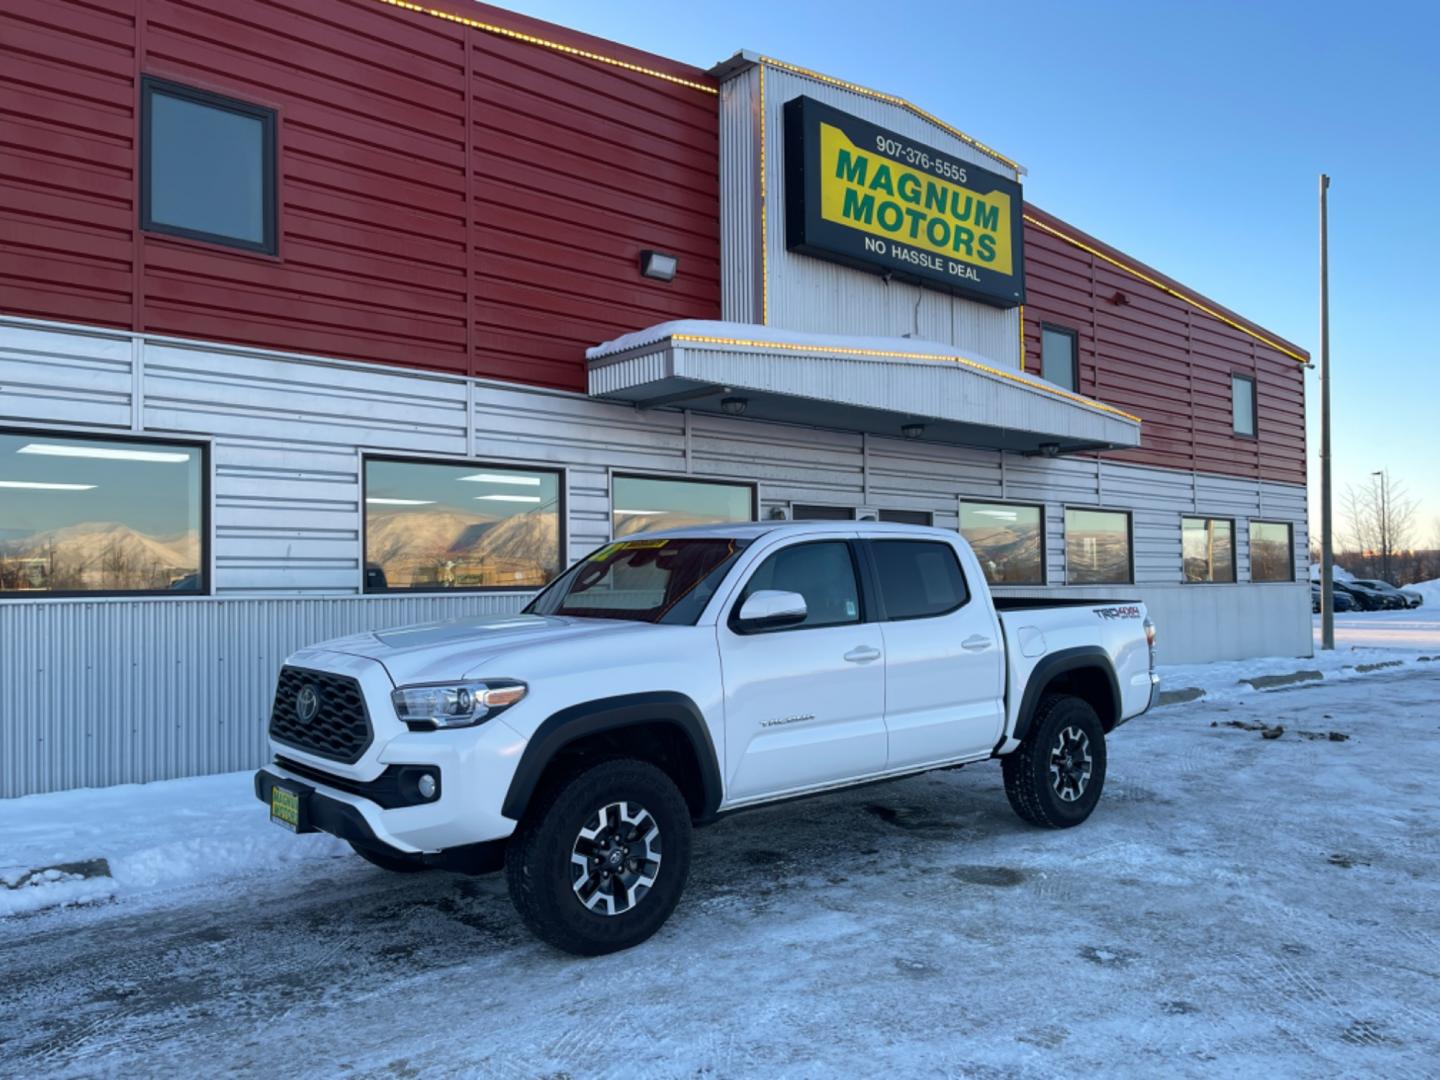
(670, 678)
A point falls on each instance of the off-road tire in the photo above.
(1029, 783)
(538, 859)
(397, 863)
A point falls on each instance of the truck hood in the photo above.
(456, 648)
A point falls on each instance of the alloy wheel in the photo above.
(615, 859)
(1070, 764)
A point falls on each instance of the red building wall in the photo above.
(391, 249)
(460, 199)
(1166, 359)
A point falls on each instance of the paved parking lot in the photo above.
(1237, 906)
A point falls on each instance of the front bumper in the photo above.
(474, 767)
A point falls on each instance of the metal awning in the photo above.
(882, 386)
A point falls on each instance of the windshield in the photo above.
(654, 581)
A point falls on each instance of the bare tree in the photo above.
(1379, 521)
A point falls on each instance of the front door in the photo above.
(804, 704)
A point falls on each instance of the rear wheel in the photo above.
(601, 857)
(1055, 777)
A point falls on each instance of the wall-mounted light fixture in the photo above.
(658, 265)
(913, 431)
(735, 406)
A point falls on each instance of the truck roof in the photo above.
(751, 530)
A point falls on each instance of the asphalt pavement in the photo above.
(1238, 905)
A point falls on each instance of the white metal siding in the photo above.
(115, 690)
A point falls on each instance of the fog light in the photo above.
(426, 786)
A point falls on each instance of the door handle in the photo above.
(862, 655)
(976, 643)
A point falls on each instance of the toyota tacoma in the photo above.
(670, 678)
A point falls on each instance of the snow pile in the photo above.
(1341, 574)
(1430, 590)
(23, 890)
(1227, 679)
(156, 838)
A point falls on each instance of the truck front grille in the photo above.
(332, 724)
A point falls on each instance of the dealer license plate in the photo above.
(285, 808)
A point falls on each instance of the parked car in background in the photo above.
(1401, 598)
(1343, 600)
(1364, 597)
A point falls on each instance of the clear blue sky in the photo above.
(1189, 136)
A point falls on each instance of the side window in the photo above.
(1242, 404)
(919, 579)
(822, 572)
(1059, 357)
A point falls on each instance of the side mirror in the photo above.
(769, 609)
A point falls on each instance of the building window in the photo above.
(645, 503)
(919, 579)
(1272, 551)
(1207, 548)
(1008, 540)
(799, 512)
(1097, 547)
(83, 516)
(907, 517)
(435, 526)
(1242, 404)
(1059, 357)
(207, 167)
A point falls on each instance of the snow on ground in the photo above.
(1238, 906)
(155, 837)
(1416, 630)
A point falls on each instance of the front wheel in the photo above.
(1055, 777)
(600, 859)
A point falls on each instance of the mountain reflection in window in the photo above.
(432, 526)
(1097, 547)
(648, 503)
(100, 516)
(1007, 539)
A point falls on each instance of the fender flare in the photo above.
(610, 714)
(1059, 663)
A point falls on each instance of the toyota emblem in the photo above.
(307, 704)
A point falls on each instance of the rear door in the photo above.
(804, 705)
(944, 654)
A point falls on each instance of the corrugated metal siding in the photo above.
(1166, 361)
(814, 295)
(741, 297)
(128, 691)
(391, 249)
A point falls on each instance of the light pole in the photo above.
(1327, 545)
(1384, 523)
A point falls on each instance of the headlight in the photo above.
(451, 705)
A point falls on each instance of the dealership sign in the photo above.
(870, 198)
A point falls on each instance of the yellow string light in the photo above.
(546, 43)
(856, 88)
(1166, 289)
(764, 213)
(842, 350)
